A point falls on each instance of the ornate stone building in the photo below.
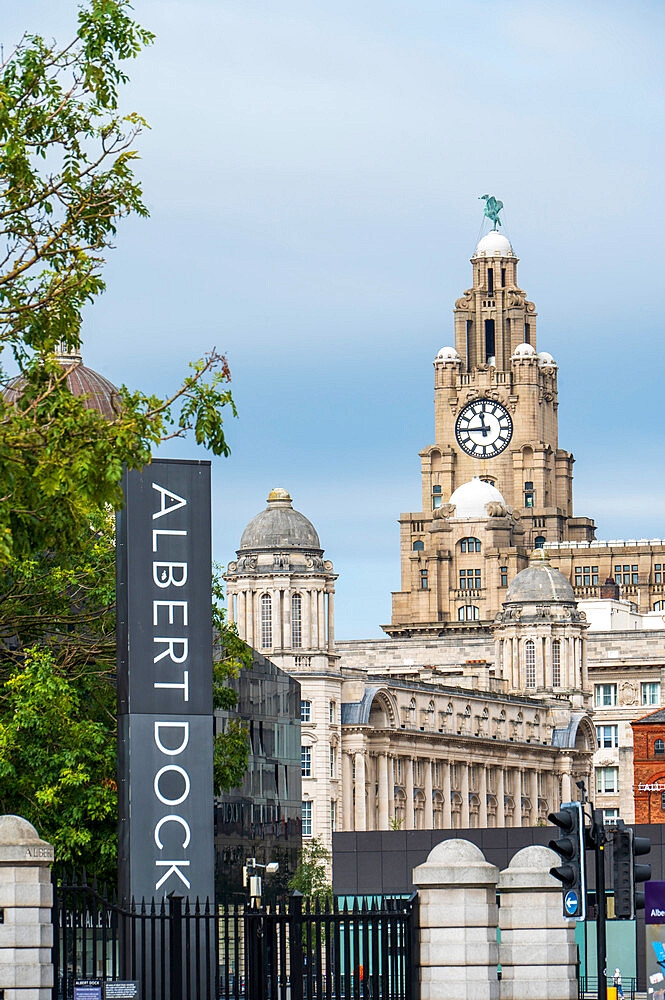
(475, 711)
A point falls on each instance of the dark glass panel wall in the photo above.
(262, 819)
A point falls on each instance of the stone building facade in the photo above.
(520, 649)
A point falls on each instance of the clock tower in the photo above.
(495, 423)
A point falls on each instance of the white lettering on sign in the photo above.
(163, 508)
(172, 736)
(655, 787)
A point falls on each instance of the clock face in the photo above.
(483, 428)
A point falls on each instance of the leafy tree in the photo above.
(66, 180)
(311, 875)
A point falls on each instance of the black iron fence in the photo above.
(178, 950)
(588, 988)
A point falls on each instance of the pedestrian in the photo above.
(616, 979)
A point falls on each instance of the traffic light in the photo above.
(627, 875)
(570, 848)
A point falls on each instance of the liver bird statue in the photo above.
(492, 208)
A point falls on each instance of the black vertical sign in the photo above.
(165, 715)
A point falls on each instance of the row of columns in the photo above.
(359, 791)
(512, 657)
(317, 626)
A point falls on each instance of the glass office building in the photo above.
(262, 819)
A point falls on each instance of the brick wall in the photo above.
(649, 770)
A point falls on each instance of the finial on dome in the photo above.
(65, 354)
(538, 557)
(279, 498)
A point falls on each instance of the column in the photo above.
(534, 797)
(540, 664)
(519, 774)
(549, 679)
(361, 807)
(537, 941)
(482, 794)
(391, 787)
(500, 798)
(242, 620)
(277, 614)
(313, 622)
(429, 808)
(458, 916)
(347, 792)
(322, 620)
(566, 786)
(285, 604)
(250, 618)
(446, 791)
(410, 819)
(331, 621)
(26, 898)
(465, 820)
(370, 791)
(385, 792)
(516, 663)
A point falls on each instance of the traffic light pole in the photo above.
(598, 837)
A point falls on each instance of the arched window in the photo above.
(468, 613)
(418, 545)
(266, 621)
(530, 663)
(470, 545)
(556, 663)
(296, 621)
(659, 748)
(539, 542)
(659, 606)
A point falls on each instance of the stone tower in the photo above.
(495, 420)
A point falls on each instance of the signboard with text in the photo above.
(165, 714)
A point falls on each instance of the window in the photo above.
(423, 580)
(662, 801)
(331, 713)
(266, 621)
(469, 613)
(586, 576)
(296, 621)
(626, 575)
(437, 499)
(539, 522)
(503, 574)
(657, 573)
(608, 736)
(530, 663)
(503, 277)
(417, 526)
(606, 694)
(418, 545)
(333, 761)
(333, 815)
(306, 762)
(607, 779)
(659, 606)
(556, 663)
(302, 662)
(651, 693)
(610, 816)
(490, 349)
(470, 545)
(398, 770)
(529, 495)
(527, 333)
(306, 819)
(539, 542)
(469, 579)
(305, 711)
(490, 280)
(659, 748)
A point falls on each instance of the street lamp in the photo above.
(253, 881)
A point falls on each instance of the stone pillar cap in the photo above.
(455, 862)
(21, 844)
(530, 869)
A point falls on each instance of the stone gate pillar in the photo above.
(537, 950)
(458, 923)
(26, 897)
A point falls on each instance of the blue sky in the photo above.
(312, 173)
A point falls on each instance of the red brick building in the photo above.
(649, 767)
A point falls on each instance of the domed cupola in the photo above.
(540, 583)
(97, 392)
(494, 245)
(279, 526)
(471, 500)
(280, 591)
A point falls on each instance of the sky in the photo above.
(312, 172)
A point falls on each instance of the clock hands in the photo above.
(484, 429)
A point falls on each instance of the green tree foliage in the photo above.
(66, 180)
(311, 875)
